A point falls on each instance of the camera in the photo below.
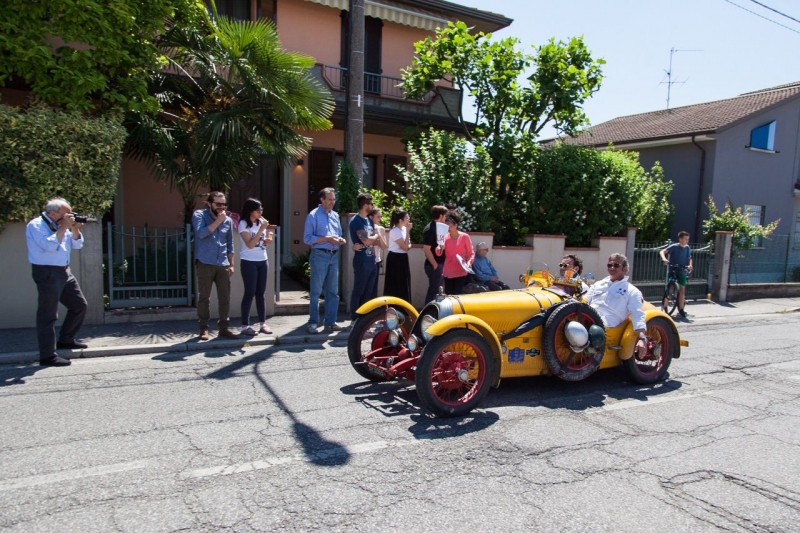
(83, 219)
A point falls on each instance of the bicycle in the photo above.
(671, 289)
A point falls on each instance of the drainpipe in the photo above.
(698, 224)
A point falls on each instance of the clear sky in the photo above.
(741, 52)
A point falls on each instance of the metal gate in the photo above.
(649, 273)
(148, 267)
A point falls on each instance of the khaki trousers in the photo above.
(219, 276)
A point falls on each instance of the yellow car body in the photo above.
(481, 338)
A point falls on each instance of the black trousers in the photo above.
(434, 280)
(57, 284)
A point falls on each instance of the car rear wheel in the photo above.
(662, 342)
(369, 338)
(561, 359)
(454, 372)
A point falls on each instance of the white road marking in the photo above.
(70, 475)
(269, 462)
(628, 404)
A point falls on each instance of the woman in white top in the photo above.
(398, 273)
(375, 216)
(253, 264)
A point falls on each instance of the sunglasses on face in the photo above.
(564, 265)
(218, 204)
(613, 265)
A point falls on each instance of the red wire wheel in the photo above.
(651, 367)
(561, 359)
(454, 372)
(368, 340)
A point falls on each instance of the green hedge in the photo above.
(46, 153)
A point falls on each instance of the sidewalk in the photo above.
(19, 345)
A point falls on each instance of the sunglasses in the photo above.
(219, 204)
(613, 265)
(564, 265)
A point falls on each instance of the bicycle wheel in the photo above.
(670, 301)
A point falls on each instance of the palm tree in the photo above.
(230, 96)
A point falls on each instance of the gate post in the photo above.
(91, 272)
(722, 265)
(630, 246)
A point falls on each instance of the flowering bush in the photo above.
(445, 169)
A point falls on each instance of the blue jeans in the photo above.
(365, 274)
(324, 275)
(254, 278)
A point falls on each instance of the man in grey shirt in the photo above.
(213, 249)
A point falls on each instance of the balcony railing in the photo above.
(374, 84)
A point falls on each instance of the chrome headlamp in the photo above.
(394, 337)
(394, 318)
(412, 343)
(426, 322)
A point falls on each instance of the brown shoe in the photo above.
(204, 335)
(226, 333)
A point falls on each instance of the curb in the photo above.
(192, 346)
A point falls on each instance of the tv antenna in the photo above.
(669, 81)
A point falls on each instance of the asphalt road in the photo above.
(293, 439)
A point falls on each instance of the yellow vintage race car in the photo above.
(458, 347)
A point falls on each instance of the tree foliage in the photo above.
(745, 234)
(579, 192)
(237, 97)
(508, 105)
(442, 169)
(84, 54)
(46, 153)
(347, 188)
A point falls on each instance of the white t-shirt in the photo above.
(378, 251)
(394, 235)
(257, 252)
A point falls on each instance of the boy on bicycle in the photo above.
(680, 255)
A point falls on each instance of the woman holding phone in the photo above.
(253, 263)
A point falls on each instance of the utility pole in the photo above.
(354, 127)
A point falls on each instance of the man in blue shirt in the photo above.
(50, 239)
(213, 252)
(362, 231)
(323, 232)
(679, 254)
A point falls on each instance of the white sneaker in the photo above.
(313, 328)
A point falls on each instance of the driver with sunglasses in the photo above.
(615, 298)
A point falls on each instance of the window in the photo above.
(235, 9)
(763, 137)
(368, 170)
(755, 215)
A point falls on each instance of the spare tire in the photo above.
(559, 356)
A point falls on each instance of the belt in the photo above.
(332, 252)
(60, 267)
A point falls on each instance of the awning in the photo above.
(392, 12)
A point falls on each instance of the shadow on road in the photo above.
(553, 393)
(398, 398)
(15, 375)
(317, 449)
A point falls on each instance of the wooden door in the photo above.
(321, 173)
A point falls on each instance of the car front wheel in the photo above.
(454, 372)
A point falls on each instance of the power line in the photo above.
(774, 10)
(762, 16)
